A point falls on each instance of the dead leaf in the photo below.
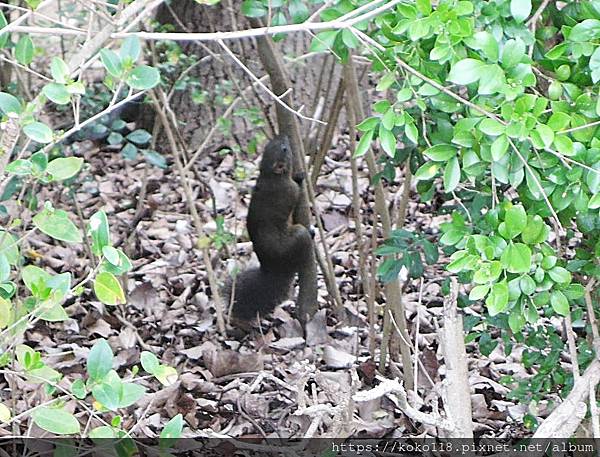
(334, 358)
(222, 363)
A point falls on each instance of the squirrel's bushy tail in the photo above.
(258, 291)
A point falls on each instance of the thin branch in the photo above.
(533, 20)
(277, 98)
(14, 25)
(27, 69)
(36, 13)
(159, 108)
(580, 127)
(337, 24)
(388, 387)
(538, 184)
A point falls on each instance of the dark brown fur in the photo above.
(283, 249)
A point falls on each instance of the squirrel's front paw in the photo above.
(299, 177)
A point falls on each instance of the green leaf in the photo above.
(515, 220)
(6, 312)
(491, 127)
(564, 145)
(559, 303)
(595, 65)
(323, 41)
(299, 11)
(9, 247)
(114, 138)
(19, 167)
(385, 82)
(4, 269)
(253, 8)
(57, 93)
(143, 77)
(111, 255)
(55, 420)
(60, 70)
(559, 121)
(418, 29)
(466, 71)
(99, 232)
(411, 132)
(102, 432)
(488, 44)
(479, 292)
(149, 362)
(440, 152)
(75, 88)
(388, 141)
(139, 137)
(111, 62)
(364, 144)
(560, 275)
(78, 389)
(424, 7)
(492, 80)
(3, 35)
(129, 151)
(574, 291)
(516, 258)
(130, 49)
(108, 289)
(24, 50)
(594, 202)
(527, 285)
(131, 394)
(513, 53)
(166, 375)
(64, 168)
(499, 147)
(516, 320)
(100, 360)
(451, 175)
(557, 51)
(520, 9)
(172, 428)
(38, 132)
(535, 231)
(585, 31)
(5, 413)
(431, 252)
(546, 134)
(33, 4)
(368, 124)
(109, 394)
(497, 300)
(52, 313)
(427, 171)
(155, 158)
(57, 225)
(9, 104)
(35, 279)
(389, 119)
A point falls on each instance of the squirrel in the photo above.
(282, 247)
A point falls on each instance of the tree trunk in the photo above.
(219, 77)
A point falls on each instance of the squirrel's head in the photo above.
(277, 158)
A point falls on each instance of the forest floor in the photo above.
(266, 383)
